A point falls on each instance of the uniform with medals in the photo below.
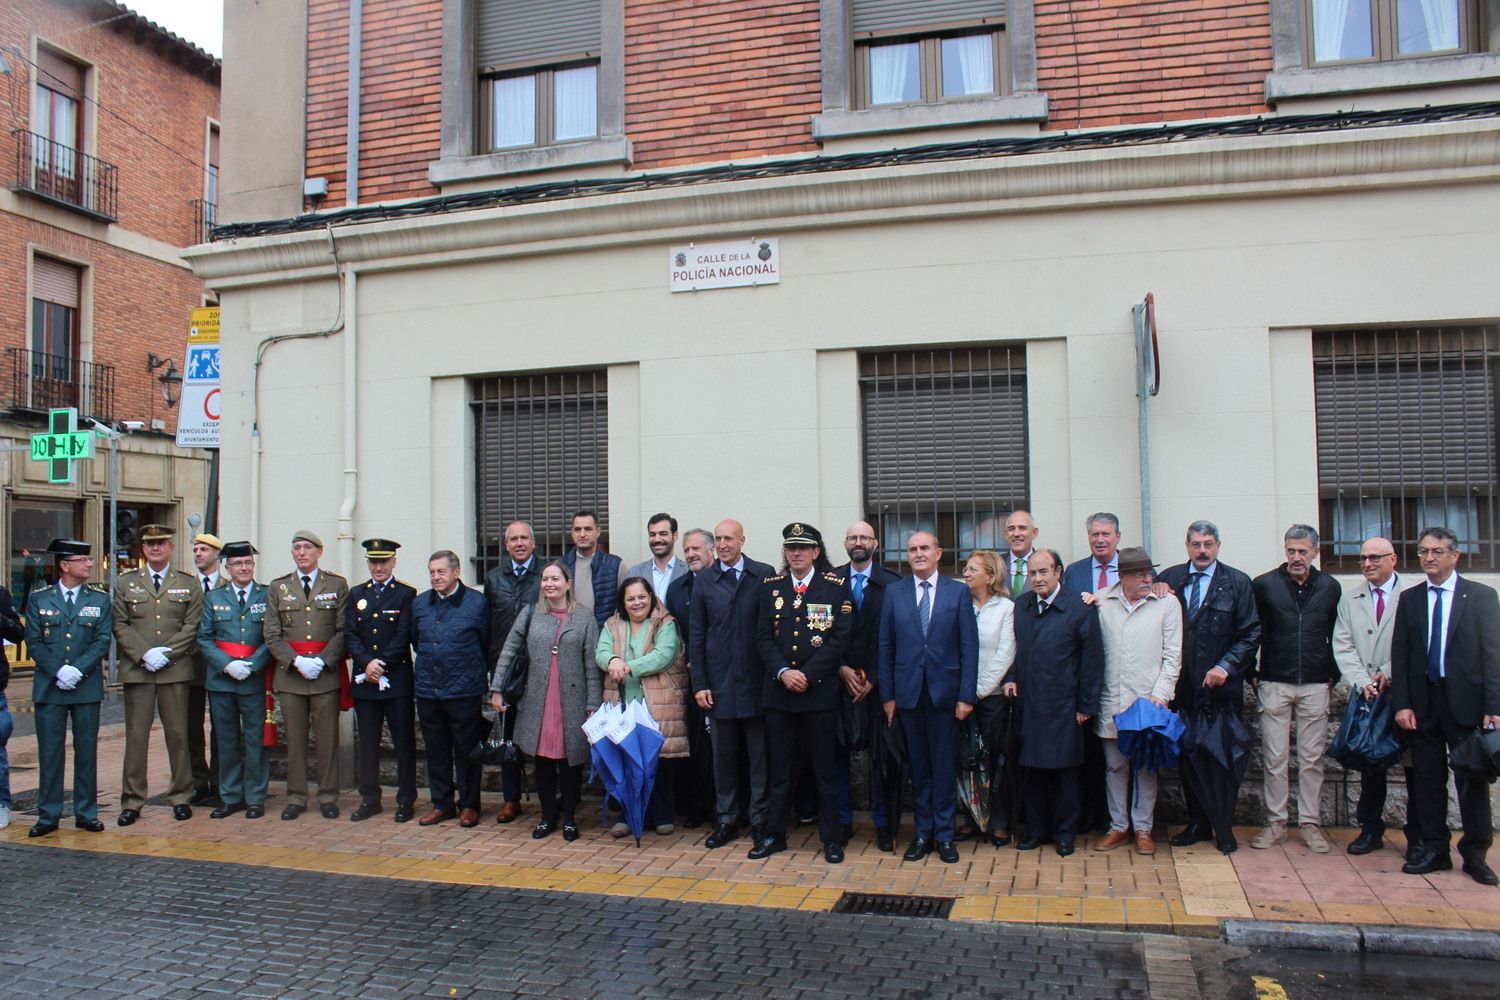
(304, 628)
(803, 627)
(377, 626)
(156, 614)
(67, 635)
(232, 648)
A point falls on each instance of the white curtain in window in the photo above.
(515, 112)
(1328, 29)
(575, 96)
(974, 57)
(1438, 17)
(893, 73)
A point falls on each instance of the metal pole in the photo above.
(114, 545)
(1142, 361)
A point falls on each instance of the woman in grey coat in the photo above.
(562, 689)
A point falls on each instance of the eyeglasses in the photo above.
(1424, 553)
(1377, 557)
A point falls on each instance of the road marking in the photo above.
(1267, 988)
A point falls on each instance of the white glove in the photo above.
(155, 658)
(385, 683)
(308, 666)
(238, 669)
(359, 678)
(68, 677)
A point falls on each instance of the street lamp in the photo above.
(171, 379)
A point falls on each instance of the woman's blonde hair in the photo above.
(995, 567)
(542, 606)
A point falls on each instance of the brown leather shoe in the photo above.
(508, 812)
(1144, 844)
(1113, 839)
(435, 817)
(468, 817)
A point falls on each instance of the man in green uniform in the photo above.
(232, 646)
(67, 634)
(304, 628)
(156, 625)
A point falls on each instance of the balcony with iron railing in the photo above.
(64, 176)
(41, 382)
(205, 216)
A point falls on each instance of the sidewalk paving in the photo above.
(1187, 891)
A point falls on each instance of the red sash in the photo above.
(240, 651)
(346, 693)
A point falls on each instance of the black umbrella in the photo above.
(1215, 757)
(1477, 755)
(975, 761)
(888, 766)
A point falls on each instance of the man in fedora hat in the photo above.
(156, 614)
(204, 752)
(305, 629)
(67, 635)
(1142, 636)
(377, 627)
(231, 642)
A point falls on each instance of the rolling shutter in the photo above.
(54, 281)
(518, 32)
(896, 15)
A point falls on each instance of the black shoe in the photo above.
(293, 811)
(41, 830)
(254, 812)
(1192, 834)
(722, 835)
(846, 833)
(329, 810)
(947, 852)
(884, 841)
(833, 853)
(1227, 845)
(203, 796)
(805, 819)
(919, 849)
(998, 840)
(365, 810)
(544, 828)
(570, 832)
(1480, 872)
(91, 825)
(767, 847)
(1428, 862)
(227, 809)
(1032, 843)
(182, 812)
(127, 817)
(1064, 848)
(1366, 842)
(404, 813)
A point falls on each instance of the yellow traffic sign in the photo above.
(203, 326)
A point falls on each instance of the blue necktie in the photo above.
(1195, 595)
(859, 590)
(1435, 637)
(924, 606)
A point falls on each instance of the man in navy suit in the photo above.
(1445, 681)
(1100, 570)
(929, 668)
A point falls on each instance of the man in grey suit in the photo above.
(663, 567)
(1362, 633)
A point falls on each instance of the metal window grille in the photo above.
(944, 446)
(541, 454)
(1407, 429)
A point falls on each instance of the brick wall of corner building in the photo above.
(1113, 62)
(152, 111)
(400, 97)
(710, 80)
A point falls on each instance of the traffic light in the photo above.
(127, 526)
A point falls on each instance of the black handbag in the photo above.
(495, 749)
(1368, 737)
(513, 684)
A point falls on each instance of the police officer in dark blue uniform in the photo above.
(68, 630)
(806, 614)
(377, 631)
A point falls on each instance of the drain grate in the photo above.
(887, 905)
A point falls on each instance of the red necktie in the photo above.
(1103, 577)
(1379, 604)
(799, 587)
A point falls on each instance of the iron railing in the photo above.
(64, 176)
(205, 215)
(53, 381)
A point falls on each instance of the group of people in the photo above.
(748, 669)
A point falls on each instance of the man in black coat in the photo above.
(1221, 632)
(867, 580)
(693, 785)
(511, 587)
(1445, 681)
(726, 676)
(377, 631)
(804, 620)
(1058, 672)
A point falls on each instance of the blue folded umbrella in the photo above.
(1150, 735)
(641, 752)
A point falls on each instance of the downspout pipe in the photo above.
(351, 429)
(356, 56)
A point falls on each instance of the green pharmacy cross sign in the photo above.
(62, 445)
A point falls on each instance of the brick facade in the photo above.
(154, 98)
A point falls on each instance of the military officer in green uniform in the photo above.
(232, 647)
(304, 628)
(157, 609)
(67, 634)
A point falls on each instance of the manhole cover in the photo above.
(886, 905)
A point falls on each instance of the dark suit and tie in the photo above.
(928, 664)
(1445, 681)
(867, 587)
